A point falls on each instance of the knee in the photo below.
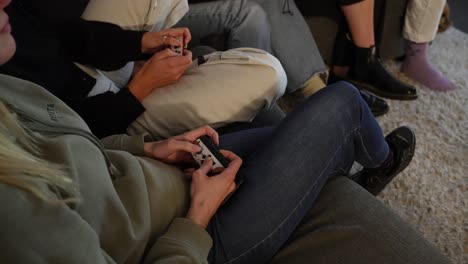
(254, 9)
(266, 73)
(274, 76)
(255, 14)
(342, 95)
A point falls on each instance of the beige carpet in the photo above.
(432, 194)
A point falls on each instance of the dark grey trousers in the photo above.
(262, 24)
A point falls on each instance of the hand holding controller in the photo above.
(210, 150)
(179, 50)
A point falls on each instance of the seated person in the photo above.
(247, 23)
(52, 36)
(275, 26)
(421, 22)
(71, 200)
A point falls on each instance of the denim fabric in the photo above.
(286, 167)
(265, 26)
(239, 18)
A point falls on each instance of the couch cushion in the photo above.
(349, 225)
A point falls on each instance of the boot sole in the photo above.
(380, 113)
(378, 92)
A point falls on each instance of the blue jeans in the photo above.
(285, 168)
(263, 26)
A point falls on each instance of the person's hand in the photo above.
(153, 42)
(208, 193)
(176, 150)
(162, 69)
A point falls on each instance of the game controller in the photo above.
(210, 150)
(179, 50)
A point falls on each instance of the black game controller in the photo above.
(210, 150)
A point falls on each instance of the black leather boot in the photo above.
(367, 72)
(377, 105)
(402, 142)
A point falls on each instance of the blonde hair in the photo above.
(22, 167)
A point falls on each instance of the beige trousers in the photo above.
(232, 86)
(422, 20)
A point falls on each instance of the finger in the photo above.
(212, 133)
(189, 172)
(177, 145)
(188, 57)
(231, 156)
(187, 36)
(232, 187)
(171, 41)
(217, 170)
(164, 54)
(183, 61)
(188, 161)
(175, 32)
(208, 131)
(206, 166)
(199, 132)
(235, 162)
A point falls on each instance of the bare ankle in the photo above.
(340, 71)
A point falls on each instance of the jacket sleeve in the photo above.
(108, 113)
(131, 144)
(103, 45)
(37, 232)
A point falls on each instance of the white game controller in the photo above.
(179, 50)
(209, 150)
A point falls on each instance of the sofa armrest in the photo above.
(349, 225)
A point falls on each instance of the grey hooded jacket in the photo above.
(131, 208)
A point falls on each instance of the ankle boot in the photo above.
(402, 142)
(377, 105)
(368, 72)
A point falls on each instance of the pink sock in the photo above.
(417, 67)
